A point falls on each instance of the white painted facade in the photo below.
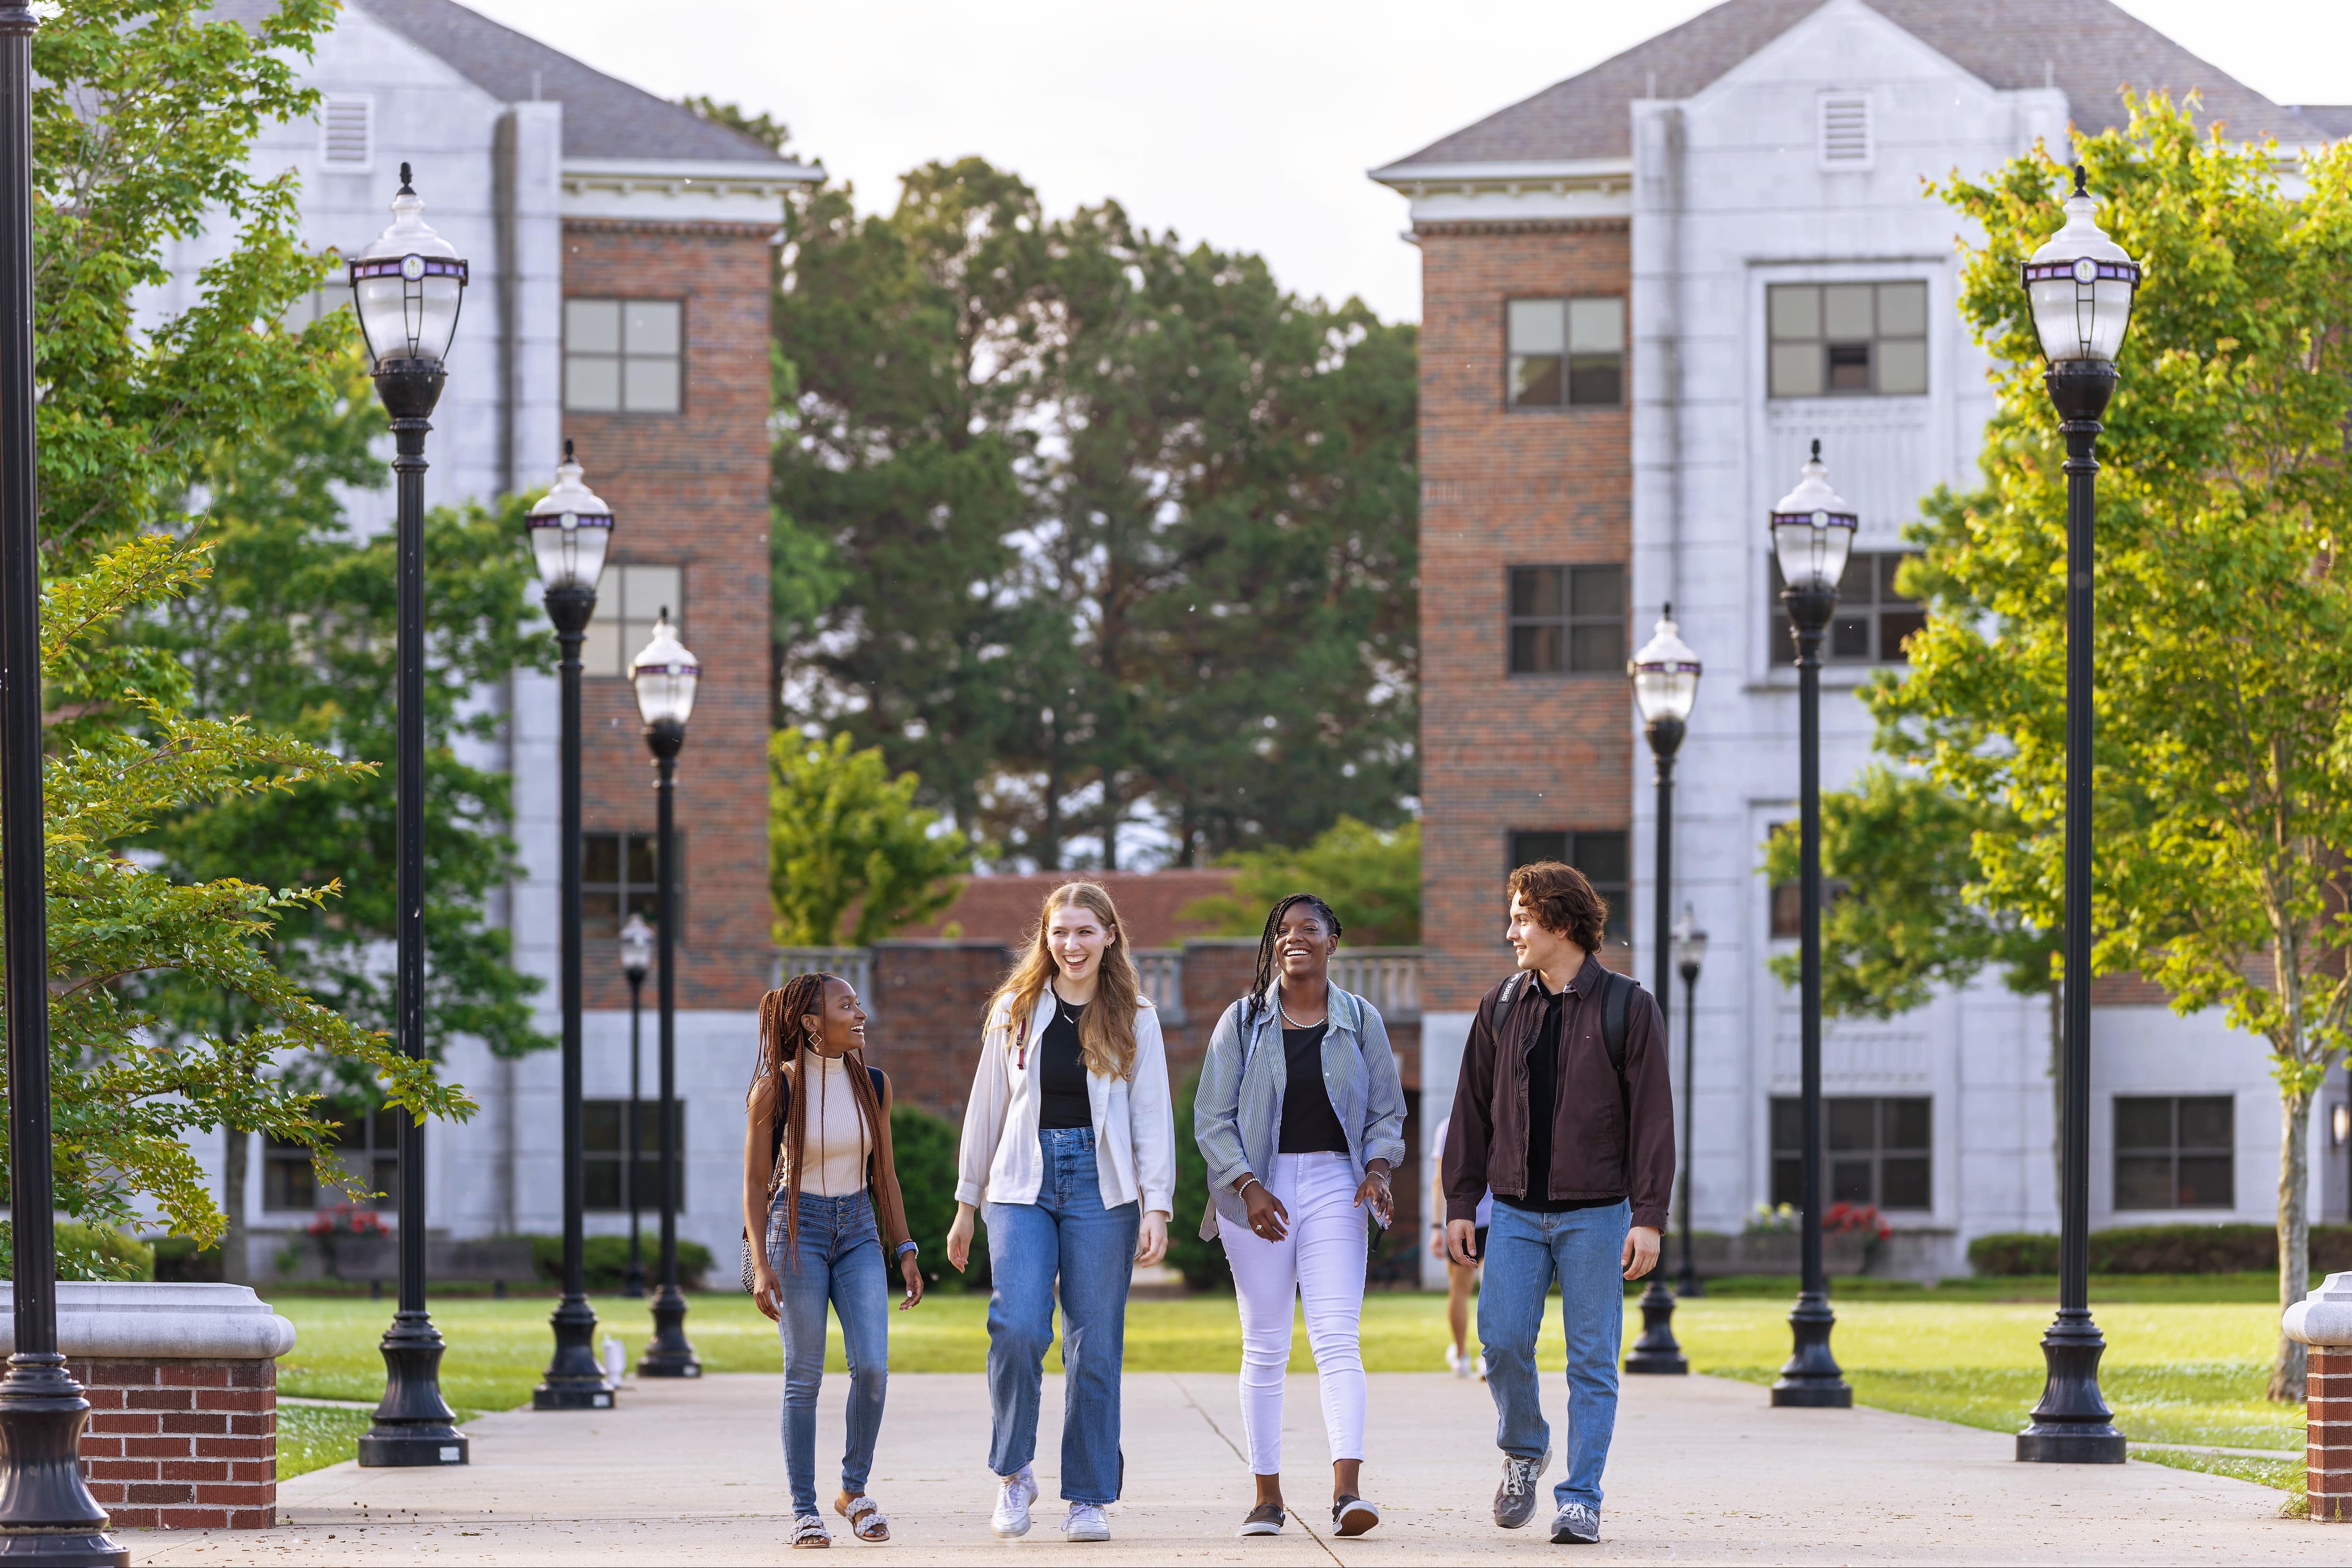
(1726, 192)
(497, 183)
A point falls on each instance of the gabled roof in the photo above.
(603, 117)
(2008, 44)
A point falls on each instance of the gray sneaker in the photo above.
(1514, 1499)
(1576, 1524)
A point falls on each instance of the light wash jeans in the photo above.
(1320, 1266)
(839, 1260)
(1067, 1233)
(1524, 1253)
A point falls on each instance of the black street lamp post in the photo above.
(636, 957)
(1690, 952)
(2080, 285)
(570, 529)
(1813, 532)
(406, 288)
(1665, 682)
(666, 675)
(47, 1515)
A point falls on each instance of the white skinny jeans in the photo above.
(1320, 1263)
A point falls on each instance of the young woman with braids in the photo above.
(1300, 1119)
(817, 1177)
(1071, 1143)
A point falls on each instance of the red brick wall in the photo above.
(1502, 488)
(182, 1445)
(691, 489)
(928, 1000)
(2329, 1459)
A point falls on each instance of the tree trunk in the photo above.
(2294, 1235)
(237, 1144)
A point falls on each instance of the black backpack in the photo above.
(1617, 995)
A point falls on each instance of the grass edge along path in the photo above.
(2177, 1371)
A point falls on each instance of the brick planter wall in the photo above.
(182, 1445)
(2323, 1321)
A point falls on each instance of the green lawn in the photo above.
(2178, 1369)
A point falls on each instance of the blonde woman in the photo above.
(1070, 1141)
(817, 1176)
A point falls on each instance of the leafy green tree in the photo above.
(128, 1088)
(1370, 879)
(1203, 1264)
(844, 835)
(767, 131)
(290, 630)
(2223, 651)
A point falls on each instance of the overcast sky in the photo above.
(1248, 123)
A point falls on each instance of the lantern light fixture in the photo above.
(2080, 284)
(665, 675)
(407, 288)
(1812, 531)
(571, 528)
(1665, 673)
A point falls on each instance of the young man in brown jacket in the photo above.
(1563, 1109)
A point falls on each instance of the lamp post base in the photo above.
(2072, 1425)
(1655, 1350)
(46, 1515)
(574, 1380)
(670, 1354)
(414, 1425)
(1690, 1287)
(1811, 1380)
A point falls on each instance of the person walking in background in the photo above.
(1564, 1110)
(1461, 1278)
(817, 1176)
(1300, 1118)
(1070, 1142)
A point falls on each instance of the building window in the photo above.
(2176, 1152)
(347, 134)
(1845, 130)
(617, 879)
(1878, 1150)
(1567, 620)
(1848, 340)
(630, 597)
(1566, 352)
(1603, 858)
(1872, 619)
(368, 1144)
(622, 356)
(606, 1169)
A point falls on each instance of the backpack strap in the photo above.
(1505, 999)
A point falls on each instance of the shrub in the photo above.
(179, 1258)
(2162, 1250)
(925, 1149)
(1201, 1263)
(101, 1252)
(606, 1259)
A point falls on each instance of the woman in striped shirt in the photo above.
(1300, 1118)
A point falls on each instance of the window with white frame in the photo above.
(1848, 340)
(347, 133)
(1565, 352)
(630, 597)
(623, 356)
(1844, 130)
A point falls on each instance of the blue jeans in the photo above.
(1067, 1233)
(1524, 1251)
(839, 1260)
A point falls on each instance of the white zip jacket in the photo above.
(999, 1160)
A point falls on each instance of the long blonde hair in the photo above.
(1106, 1028)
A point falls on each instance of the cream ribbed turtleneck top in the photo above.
(837, 1142)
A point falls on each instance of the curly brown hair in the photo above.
(1562, 901)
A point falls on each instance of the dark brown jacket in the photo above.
(1604, 1143)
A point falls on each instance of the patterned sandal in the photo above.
(808, 1531)
(867, 1519)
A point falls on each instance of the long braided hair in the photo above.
(783, 1033)
(1256, 1003)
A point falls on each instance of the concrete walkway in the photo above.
(1704, 1471)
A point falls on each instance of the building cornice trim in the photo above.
(673, 227)
(1520, 226)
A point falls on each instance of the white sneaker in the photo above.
(1015, 1493)
(1457, 1362)
(1086, 1522)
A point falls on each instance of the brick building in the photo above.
(1645, 290)
(622, 255)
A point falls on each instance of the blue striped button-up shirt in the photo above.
(1237, 1111)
